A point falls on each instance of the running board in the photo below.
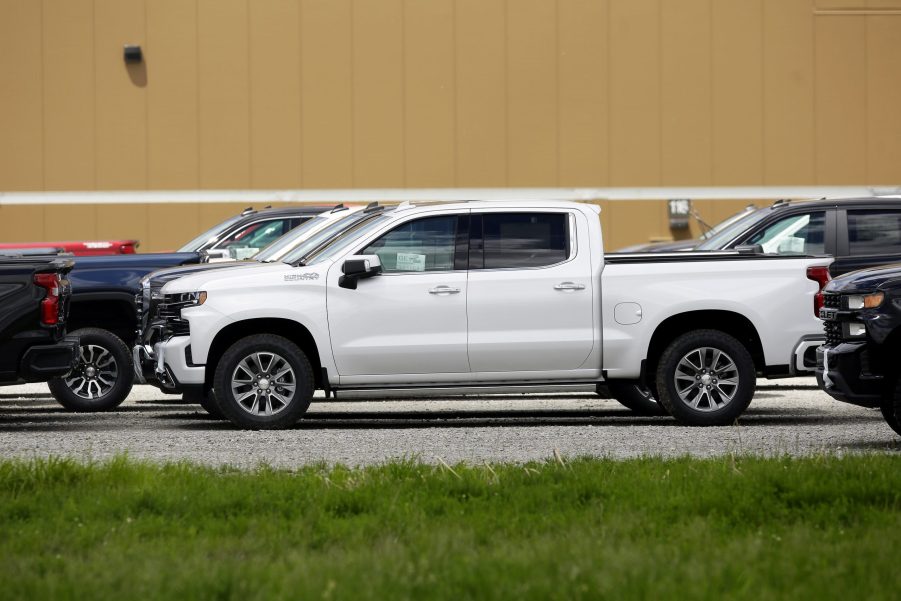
(472, 389)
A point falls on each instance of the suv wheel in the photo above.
(263, 382)
(103, 377)
(706, 378)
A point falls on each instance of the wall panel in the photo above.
(635, 148)
(883, 95)
(378, 93)
(327, 93)
(481, 60)
(21, 96)
(788, 94)
(69, 132)
(121, 95)
(275, 140)
(582, 67)
(224, 94)
(532, 93)
(173, 119)
(737, 103)
(429, 93)
(685, 92)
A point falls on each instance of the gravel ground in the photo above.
(787, 417)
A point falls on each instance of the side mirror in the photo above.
(359, 267)
(216, 255)
(749, 249)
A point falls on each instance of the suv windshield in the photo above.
(324, 238)
(289, 240)
(211, 235)
(341, 241)
(720, 240)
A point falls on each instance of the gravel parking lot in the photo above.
(786, 417)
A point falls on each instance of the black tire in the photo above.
(206, 400)
(107, 385)
(713, 357)
(636, 396)
(891, 409)
(284, 409)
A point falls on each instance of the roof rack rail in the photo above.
(372, 207)
(338, 207)
(247, 211)
(780, 202)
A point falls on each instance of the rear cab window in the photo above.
(874, 232)
(519, 240)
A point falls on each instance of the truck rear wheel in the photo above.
(636, 396)
(206, 400)
(706, 378)
(891, 409)
(103, 377)
(263, 382)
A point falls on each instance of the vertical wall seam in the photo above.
(506, 93)
(197, 99)
(814, 80)
(353, 99)
(300, 108)
(455, 91)
(146, 94)
(763, 80)
(660, 169)
(94, 89)
(43, 102)
(608, 87)
(866, 99)
(711, 121)
(403, 92)
(250, 144)
(557, 169)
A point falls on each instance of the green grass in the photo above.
(824, 528)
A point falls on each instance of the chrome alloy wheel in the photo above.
(95, 374)
(263, 383)
(706, 379)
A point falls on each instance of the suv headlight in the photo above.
(865, 301)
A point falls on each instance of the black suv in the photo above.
(859, 362)
(858, 232)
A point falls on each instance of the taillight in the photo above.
(821, 276)
(50, 305)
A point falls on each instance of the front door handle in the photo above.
(569, 286)
(444, 290)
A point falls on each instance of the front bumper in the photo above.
(167, 365)
(45, 361)
(841, 373)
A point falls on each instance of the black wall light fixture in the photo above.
(133, 54)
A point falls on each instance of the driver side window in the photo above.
(793, 235)
(421, 245)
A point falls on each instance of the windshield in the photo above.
(210, 235)
(340, 242)
(289, 240)
(724, 237)
(716, 229)
(326, 236)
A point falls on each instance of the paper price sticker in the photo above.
(410, 262)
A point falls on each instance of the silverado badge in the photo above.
(293, 277)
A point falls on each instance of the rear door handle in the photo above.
(569, 286)
(444, 290)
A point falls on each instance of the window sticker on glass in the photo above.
(410, 262)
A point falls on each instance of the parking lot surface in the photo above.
(787, 417)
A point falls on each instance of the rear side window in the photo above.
(874, 232)
(519, 240)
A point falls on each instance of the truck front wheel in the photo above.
(263, 382)
(706, 378)
(891, 409)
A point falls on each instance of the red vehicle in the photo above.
(79, 249)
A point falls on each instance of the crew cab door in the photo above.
(411, 319)
(530, 291)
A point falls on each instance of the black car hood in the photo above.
(864, 280)
(162, 276)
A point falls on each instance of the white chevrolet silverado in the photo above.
(488, 294)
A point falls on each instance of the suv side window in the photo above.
(521, 240)
(874, 232)
(248, 240)
(801, 234)
(425, 244)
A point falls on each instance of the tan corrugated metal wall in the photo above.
(439, 93)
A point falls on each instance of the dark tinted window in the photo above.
(874, 232)
(800, 234)
(421, 245)
(524, 239)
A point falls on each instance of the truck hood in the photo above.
(163, 276)
(147, 261)
(864, 280)
(252, 275)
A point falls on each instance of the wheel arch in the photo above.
(115, 314)
(728, 322)
(287, 328)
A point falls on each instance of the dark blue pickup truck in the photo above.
(103, 313)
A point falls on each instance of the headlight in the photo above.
(854, 330)
(190, 299)
(865, 301)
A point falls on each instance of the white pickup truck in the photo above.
(488, 294)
